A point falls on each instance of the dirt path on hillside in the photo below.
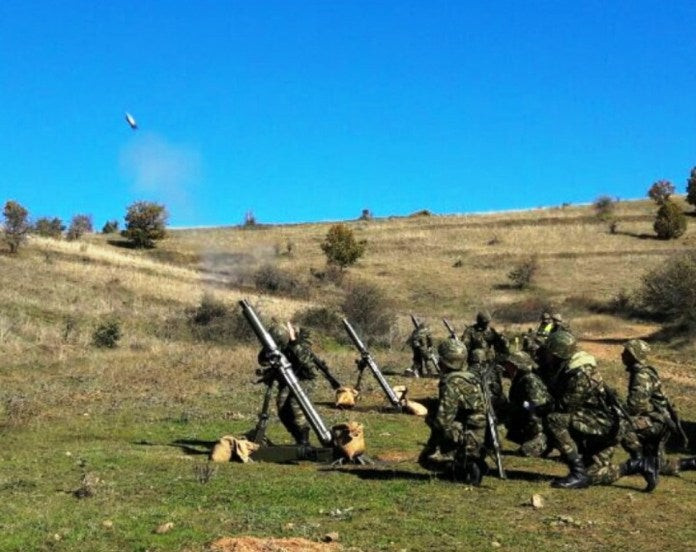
(607, 345)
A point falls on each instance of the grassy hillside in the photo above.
(113, 421)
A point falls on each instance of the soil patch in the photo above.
(254, 544)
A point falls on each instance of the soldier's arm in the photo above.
(576, 392)
(536, 391)
(640, 390)
(303, 364)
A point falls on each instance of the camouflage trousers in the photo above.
(442, 454)
(581, 429)
(290, 413)
(648, 437)
(530, 436)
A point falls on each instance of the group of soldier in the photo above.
(557, 399)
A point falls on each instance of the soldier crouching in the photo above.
(459, 425)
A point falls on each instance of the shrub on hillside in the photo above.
(340, 246)
(110, 226)
(145, 223)
(107, 334)
(691, 188)
(79, 225)
(272, 279)
(49, 227)
(521, 312)
(522, 275)
(660, 191)
(366, 215)
(249, 220)
(214, 321)
(15, 225)
(369, 311)
(670, 221)
(669, 291)
(324, 320)
(604, 208)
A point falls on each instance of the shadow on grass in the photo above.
(640, 236)
(384, 473)
(123, 244)
(192, 447)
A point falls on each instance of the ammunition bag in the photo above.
(346, 396)
(349, 438)
(233, 448)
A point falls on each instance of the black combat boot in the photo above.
(474, 474)
(576, 479)
(304, 437)
(687, 464)
(648, 467)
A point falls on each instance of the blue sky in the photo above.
(306, 111)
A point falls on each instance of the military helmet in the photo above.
(483, 317)
(556, 317)
(545, 316)
(638, 348)
(279, 335)
(305, 335)
(520, 360)
(477, 356)
(561, 344)
(452, 354)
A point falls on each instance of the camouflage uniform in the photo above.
(482, 336)
(558, 325)
(459, 424)
(528, 401)
(649, 408)
(299, 356)
(583, 427)
(545, 327)
(421, 342)
(482, 368)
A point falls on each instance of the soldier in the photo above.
(491, 374)
(529, 401)
(482, 336)
(545, 326)
(421, 342)
(289, 410)
(583, 426)
(558, 324)
(652, 415)
(459, 425)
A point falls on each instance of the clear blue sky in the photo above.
(305, 111)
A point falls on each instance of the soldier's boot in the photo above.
(687, 464)
(304, 437)
(577, 478)
(474, 473)
(648, 467)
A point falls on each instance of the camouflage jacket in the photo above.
(528, 386)
(299, 357)
(645, 394)
(461, 405)
(578, 384)
(421, 340)
(487, 339)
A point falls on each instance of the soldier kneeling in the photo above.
(459, 425)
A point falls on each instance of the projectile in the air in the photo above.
(131, 121)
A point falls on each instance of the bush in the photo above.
(16, 225)
(691, 188)
(370, 312)
(340, 246)
(79, 225)
(49, 227)
(249, 220)
(366, 215)
(670, 221)
(322, 319)
(660, 191)
(145, 223)
(107, 334)
(214, 321)
(110, 226)
(604, 208)
(523, 274)
(272, 279)
(669, 291)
